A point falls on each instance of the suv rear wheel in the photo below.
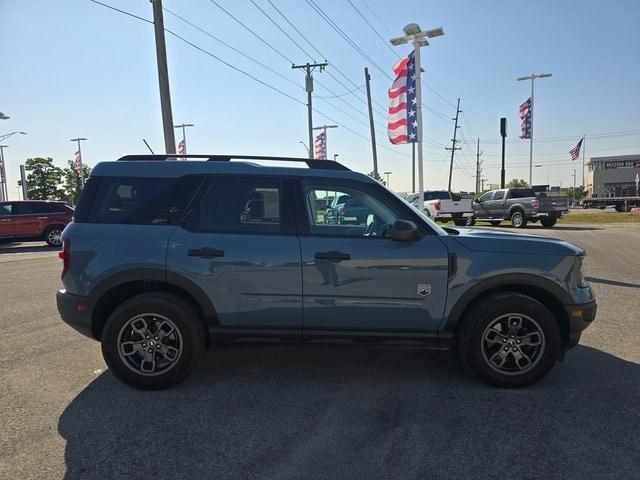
(509, 340)
(518, 220)
(152, 341)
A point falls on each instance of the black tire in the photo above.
(53, 235)
(548, 222)
(471, 221)
(475, 354)
(188, 337)
(495, 223)
(460, 222)
(518, 219)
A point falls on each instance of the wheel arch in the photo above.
(547, 292)
(127, 284)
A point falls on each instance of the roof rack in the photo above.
(311, 163)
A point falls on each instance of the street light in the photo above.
(183, 126)
(387, 174)
(3, 116)
(7, 135)
(532, 77)
(335, 156)
(305, 147)
(413, 34)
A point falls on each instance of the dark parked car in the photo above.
(520, 205)
(164, 258)
(34, 220)
(347, 210)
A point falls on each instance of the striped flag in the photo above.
(77, 164)
(525, 117)
(575, 151)
(402, 126)
(182, 148)
(320, 147)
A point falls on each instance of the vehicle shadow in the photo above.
(323, 412)
(615, 283)
(26, 248)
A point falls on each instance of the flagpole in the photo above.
(531, 138)
(584, 147)
(80, 155)
(417, 43)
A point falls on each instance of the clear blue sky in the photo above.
(74, 68)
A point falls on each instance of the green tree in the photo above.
(578, 193)
(72, 181)
(43, 179)
(515, 183)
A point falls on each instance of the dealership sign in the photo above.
(622, 164)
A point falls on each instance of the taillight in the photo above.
(437, 205)
(535, 203)
(65, 256)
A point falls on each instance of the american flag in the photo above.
(2, 179)
(77, 164)
(402, 126)
(182, 148)
(525, 117)
(320, 147)
(575, 151)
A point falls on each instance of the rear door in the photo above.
(239, 245)
(355, 278)
(6, 220)
(29, 218)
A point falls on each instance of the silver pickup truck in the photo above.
(520, 205)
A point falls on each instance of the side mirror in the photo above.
(403, 231)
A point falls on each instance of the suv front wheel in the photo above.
(509, 340)
(152, 341)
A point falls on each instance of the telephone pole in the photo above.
(453, 144)
(163, 78)
(478, 167)
(367, 78)
(308, 82)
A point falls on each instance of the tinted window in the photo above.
(439, 195)
(486, 196)
(239, 204)
(142, 201)
(5, 209)
(30, 208)
(521, 193)
(362, 215)
(499, 195)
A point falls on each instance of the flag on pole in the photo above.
(402, 124)
(77, 164)
(525, 117)
(575, 151)
(320, 147)
(182, 148)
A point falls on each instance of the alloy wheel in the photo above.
(55, 237)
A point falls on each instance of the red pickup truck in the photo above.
(34, 220)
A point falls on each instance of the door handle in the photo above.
(332, 255)
(5, 219)
(205, 252)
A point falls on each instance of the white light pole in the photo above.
(4, 191)
(413, 34)
(324, 129)
(532, 77)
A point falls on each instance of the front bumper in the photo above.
(580, 315)
(76, 311)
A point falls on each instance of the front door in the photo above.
(495, 206)
(355, 278)
(481, 206)
(239, 245)
(6, 221)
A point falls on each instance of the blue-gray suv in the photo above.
(167, 257)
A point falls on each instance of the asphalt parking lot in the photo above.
(320, 412)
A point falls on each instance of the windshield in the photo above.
(432, 224)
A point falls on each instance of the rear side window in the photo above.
(142, 200)
(31, 208)
(499, 195)
(5, 209)
(437, 195)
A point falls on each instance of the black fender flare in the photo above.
(504, 280)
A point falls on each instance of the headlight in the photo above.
(579, 279)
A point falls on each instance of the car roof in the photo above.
(176, 168)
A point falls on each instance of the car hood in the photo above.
(506, 242)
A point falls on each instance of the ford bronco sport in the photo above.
(164, 258)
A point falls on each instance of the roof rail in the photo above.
(311, 163)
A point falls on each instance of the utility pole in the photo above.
(367, 78)
(308, 82)
(453, 144)
(478, 166)
(163, 78)
(183, 126)
(324, 129)
(532, 77)
(23, 176)
(482, 180)
(503, 135)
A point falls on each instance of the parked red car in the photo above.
(34, 220)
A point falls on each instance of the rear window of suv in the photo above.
(142, 200)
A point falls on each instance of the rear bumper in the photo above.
(75, 311)
(580, 315)
(549, 214)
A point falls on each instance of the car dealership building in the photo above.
(612, 176)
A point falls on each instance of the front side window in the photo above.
(5, 209)
(351, 211)
(239, 204)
